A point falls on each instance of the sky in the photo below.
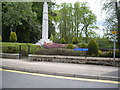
(95, 7)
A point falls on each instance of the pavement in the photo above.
(63, 69)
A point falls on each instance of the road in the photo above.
(18, 79)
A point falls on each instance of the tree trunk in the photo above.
(118, 18)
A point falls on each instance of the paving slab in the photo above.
(63, 69)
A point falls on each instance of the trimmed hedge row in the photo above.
(60, 51)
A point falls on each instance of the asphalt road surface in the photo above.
(13, 79)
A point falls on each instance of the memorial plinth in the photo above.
(44, 26)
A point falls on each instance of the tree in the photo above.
(15, 13)
(88, 21)
(75, 20)
(113, 18)
(19, 17)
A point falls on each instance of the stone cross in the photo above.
(44, 26)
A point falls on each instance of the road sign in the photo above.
(114, 32)
(81, 49)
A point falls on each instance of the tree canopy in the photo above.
(113, 18)
(24, 18)
(75, 20)
(66, 21)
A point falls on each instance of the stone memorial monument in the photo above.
(44, 26)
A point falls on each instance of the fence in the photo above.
(22, 50)
(25, 50)
(60, 51)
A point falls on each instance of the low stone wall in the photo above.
(67, 59)
(9, 55)
(77, 60)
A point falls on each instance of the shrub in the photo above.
(118, 53)
(63, 41)
(13, 37)
(100, 52)
(59, 51)
(52, 38)
(24, 53)
(10, 49)
(0, 38)
(75, 40)
(93, 48)
(82, 45)
(70, 46)
(110, 54)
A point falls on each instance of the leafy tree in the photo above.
(88, 20)
(25, 19)
(19, 17)
(77, 17)
(104, 42)
(16, 12)
(113, 18)
(75, 20)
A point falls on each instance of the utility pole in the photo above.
(114, 49)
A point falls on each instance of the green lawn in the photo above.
(15, 44)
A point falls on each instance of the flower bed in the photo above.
(54, 45)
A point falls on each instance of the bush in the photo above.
(110, 54)
(82, 45)
(93, 48)
(118, 53)
(13, 37)
(0, 38)
(75, 40)
(52, 38)
(70, 46)
(100, 52)
(24, 53)
(63, 41)
(59, 51)
(10, 49)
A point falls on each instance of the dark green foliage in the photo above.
(75, 40)
(24, 53)
(52, 37)
(93, 48)
(25, 19)
(82, 45)
(13, 37)
(10, 49)
(0, 38)
(70, 46)
(63, 41)
(109, 53)
(14, 47)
